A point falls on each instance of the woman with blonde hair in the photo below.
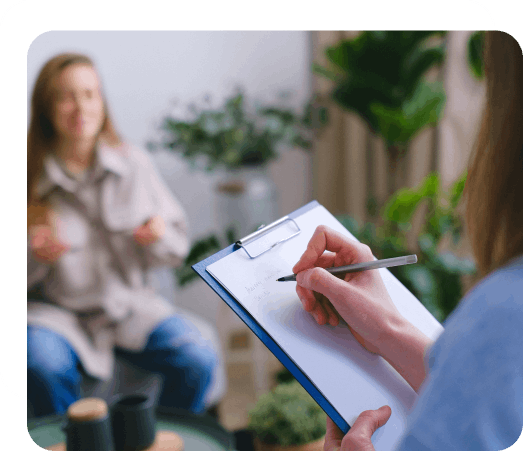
(99, 218)
(470, 381)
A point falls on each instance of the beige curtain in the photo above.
(350, 164)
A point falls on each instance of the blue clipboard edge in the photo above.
(260, 332)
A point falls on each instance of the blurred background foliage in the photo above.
(380, 75)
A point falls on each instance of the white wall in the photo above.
(143, 72)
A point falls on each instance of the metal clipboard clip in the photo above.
(262, 230)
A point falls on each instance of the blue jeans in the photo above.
(174, 350)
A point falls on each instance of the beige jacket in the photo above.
(99, 293)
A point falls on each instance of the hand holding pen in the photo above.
(340, 271)
(360, 298)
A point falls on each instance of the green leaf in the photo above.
(345, 53)
(201, 248)
(430, 98)
(423, 283)
(427, 243)
(475, 54)
(391, 124)
(372, 206)
(402, 205)
(400, 125)
(418, 63)
(350, 223)
(430, 185)
(456, 190)
(450, 263)
(467, 266)
(368, 234)
(327, 73)
(422, 280)
(231, 235)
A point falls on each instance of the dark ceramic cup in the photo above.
(133, 422)
(93, 435)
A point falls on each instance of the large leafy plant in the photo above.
(380, 75)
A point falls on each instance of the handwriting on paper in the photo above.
(261, 296)
(272, 274)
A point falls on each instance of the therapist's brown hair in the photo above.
(42, 136)
(494, 187)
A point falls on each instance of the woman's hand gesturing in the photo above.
(45, 246)
(150, 232)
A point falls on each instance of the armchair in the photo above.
(131, 379)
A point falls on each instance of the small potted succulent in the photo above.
(287, 419)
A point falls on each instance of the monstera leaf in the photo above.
(400, 125)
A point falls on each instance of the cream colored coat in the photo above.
(99, 293)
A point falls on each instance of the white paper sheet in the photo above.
(350, 378)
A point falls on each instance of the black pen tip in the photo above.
(281, 279)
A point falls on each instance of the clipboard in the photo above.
(256, 327)
(251, 322)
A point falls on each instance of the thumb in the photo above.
(370, 420)
(319, 280)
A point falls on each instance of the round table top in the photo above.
(199, 432)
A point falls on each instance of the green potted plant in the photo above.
(287, 418)
(380, 76)
(437, 279)
(233, 136)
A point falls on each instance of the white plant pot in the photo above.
(245, 199)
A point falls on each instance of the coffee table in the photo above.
(199, 432)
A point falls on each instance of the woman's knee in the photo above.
(49, 354)
(201, 358)
(196, 363)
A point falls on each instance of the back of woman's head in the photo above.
(42, 135)
(494, 189)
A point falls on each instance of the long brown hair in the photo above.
(42, 136)
(494, 187)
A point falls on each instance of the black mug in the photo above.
(92, 435)
(133, 421)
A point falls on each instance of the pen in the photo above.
(342, 270)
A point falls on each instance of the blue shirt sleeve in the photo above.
(472, 398)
